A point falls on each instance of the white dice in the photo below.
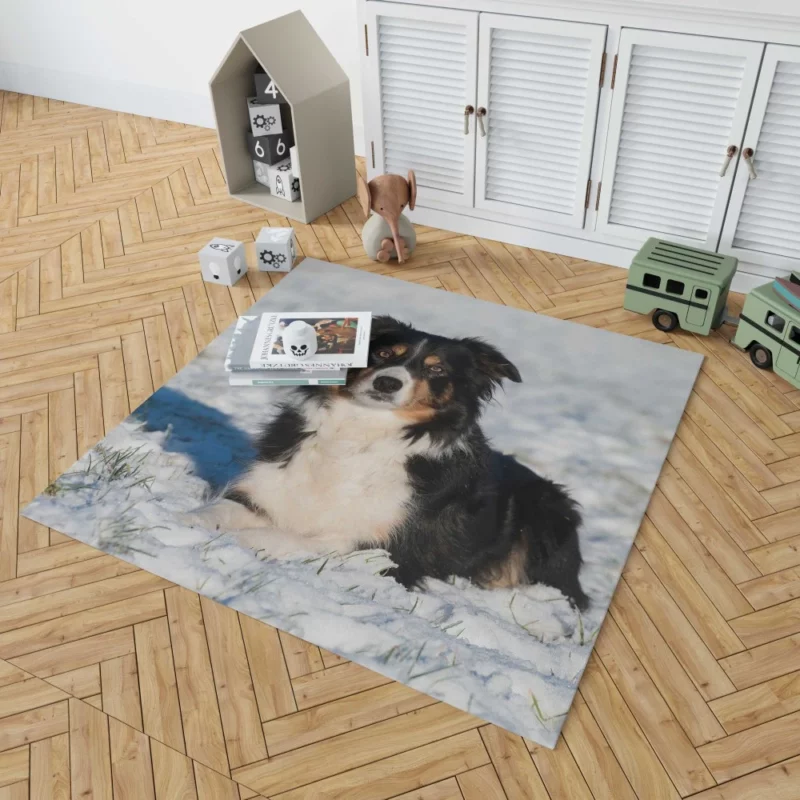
(261, 172)
(268, 118)
(275, 249)
(282, 183)
(222, 261)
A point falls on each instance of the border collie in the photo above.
(396, 460)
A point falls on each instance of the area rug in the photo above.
(589, 410)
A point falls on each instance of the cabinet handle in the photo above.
(480, 114)
(467, 111)
(729, 154)
(747, 155)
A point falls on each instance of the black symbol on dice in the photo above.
(260, 121)
(284, 167)
(272, 259)
(295, 184)
(225, 248)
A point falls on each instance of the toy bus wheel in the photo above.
(761, 357)
(665, 320)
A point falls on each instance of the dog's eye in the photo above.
(436, 369)
(384, 352)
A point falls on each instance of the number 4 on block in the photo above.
(267, 90)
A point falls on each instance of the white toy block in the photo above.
(268, 117)
(222, 261)
(262, 173)
(282, 183)
(275, 249)
(295, 161)
(299, 339)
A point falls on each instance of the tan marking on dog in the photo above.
(432, 359)
(447, 395)
(510, 572)
(422, 405)
(422, 394)
(400, 349)
(416, 414)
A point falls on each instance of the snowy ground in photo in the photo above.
(596, 411)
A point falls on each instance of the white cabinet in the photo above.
(762, 225)
(421, 81)
(538, 85)
(587, 134)
(507, 128)
(679, 103)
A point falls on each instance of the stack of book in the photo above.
(332, 342)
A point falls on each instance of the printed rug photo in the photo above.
(456, 517)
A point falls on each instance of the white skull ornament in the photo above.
(299, 339)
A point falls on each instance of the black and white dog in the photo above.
(397, 460)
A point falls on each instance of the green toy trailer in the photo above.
(686, 287)
(679, 286)
(769, 329)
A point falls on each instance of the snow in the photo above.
(596, 411)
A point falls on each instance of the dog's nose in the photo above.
(386, 384)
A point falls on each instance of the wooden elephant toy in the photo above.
(387, 232)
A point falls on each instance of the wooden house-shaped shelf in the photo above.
(318, 91)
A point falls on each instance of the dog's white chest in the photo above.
(347, 481)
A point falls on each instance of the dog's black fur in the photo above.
(471, 512)
(474, 513)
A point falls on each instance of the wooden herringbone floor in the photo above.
(115, 684)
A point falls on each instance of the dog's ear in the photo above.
(385, 324)
(491, 362)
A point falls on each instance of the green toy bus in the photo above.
(769, 329)
(685, 287)
(680, 286)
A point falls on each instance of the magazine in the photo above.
(289, 377)
(244, 334)
(237, 363)
(312, 340)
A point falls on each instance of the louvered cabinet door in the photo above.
(538, 82)
(420, 78)
(679, 102)
(762, 225)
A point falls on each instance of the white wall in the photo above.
(154, 57)
(150, 57)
